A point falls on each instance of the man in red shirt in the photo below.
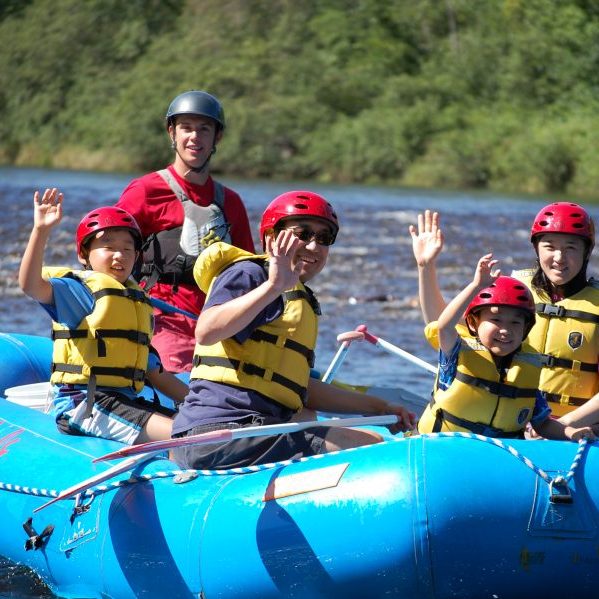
(180, 210)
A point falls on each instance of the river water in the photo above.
(370, 278)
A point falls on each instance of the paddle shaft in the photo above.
(166, 307)
(223, 435)
(393, 349)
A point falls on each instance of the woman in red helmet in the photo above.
(102, 327)
(486, 384)
(566, 333)
(255, 342)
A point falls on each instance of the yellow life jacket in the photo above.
(479, 399)
(110, 346)
(566, 335)
(276, 360)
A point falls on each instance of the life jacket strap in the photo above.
(554, 362)
(560, 312)
(564, 399)
(129, 373)
(478, 428)
(307, 295)
(137, 295)
(495, 388)
(252, 370)
(305, 351)
(102, 334)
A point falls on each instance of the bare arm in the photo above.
(328, 398)
(427, 243)
(47, 213)
(585, 415)
(167, 383)
(554, 429)
(224, 321)
(451, 316)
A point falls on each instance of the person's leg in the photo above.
(157, 428)
(344, 438)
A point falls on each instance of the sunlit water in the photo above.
(370, 277)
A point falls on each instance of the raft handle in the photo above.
(559, 491)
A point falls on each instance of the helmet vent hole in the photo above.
(302, 206)
(485, 295)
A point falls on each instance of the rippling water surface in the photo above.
(370, 278)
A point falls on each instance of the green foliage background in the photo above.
(500, 94)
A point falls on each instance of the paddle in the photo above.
(223, 435)
(92, 481)
(339, 357)
(393, 349)
(166, 307)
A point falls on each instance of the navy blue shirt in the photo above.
(208, 402)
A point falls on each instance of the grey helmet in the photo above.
(196, 102)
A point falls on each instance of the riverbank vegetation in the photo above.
(499, 94)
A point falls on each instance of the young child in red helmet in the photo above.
(487, 382)
(102, 327)
(255, 344)
(566, 330)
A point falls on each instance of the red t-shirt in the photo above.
(156, 208)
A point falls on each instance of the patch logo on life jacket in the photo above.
(523, 415)
(575, 339)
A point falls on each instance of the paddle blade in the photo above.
(92, 481)
(153, 447)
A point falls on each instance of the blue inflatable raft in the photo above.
(435, 516)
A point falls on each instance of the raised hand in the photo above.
(47, 210)
(427, 240)
(283, 269)
(484, 276)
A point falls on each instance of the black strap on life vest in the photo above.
(102, 334)
(553, 362)
(133, 374)
(478, 428)
(251, 369)
(176, 268)
(305, 351)
(557, 398)
(560, 312)
(136, 295)
(308, 295)
(495, 388)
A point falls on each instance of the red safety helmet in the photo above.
(107, 217)
(564, 217)
(505, 291)
(298, 204)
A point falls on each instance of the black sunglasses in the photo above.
(305, 234)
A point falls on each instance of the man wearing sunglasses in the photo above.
(255, 345)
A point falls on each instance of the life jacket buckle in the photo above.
(551, 310)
